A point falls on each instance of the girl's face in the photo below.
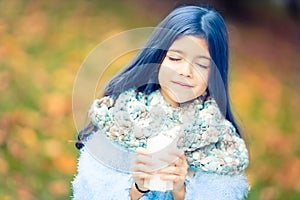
(184, 72)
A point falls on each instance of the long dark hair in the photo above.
(142, 72)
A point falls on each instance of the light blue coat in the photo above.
(95, 181)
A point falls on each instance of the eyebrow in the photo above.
(181, 52)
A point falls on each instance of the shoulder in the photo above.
(94, 180)
(211, 186)
(95, 170)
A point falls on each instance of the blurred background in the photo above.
(43, 44)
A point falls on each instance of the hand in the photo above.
(176, 171)
(141, 169)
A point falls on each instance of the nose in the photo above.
(186, 69)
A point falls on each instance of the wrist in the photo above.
(141, 189)
(135, 193)
(179, 194)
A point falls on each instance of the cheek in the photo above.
(164, 73)
(161, 75)
(202, 76)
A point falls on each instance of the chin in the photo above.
(185, 100)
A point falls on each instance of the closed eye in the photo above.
(202, 66)
(174, 59)
(203, 62)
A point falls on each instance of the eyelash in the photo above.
(179, 59)
(174, 59)
(203, 66)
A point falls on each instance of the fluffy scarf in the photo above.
(210, 142)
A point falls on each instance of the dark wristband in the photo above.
(141, 191)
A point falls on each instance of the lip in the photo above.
(182, 84)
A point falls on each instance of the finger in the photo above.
(143, 156)
(182, 159)
(172, 177)
(142, 151)
(143, 159)
(181, 171)
(173, 155)
(181, 162)
(142, 168)
(177, 152)
(141, 175)
(169, 158)
(170, 170)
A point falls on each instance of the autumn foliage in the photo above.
(42, 45)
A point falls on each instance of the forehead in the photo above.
(190, 45)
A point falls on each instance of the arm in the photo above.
(211, 186)
(96, 181)
(178, 195)
(135, 194)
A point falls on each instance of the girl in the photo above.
(170, 106)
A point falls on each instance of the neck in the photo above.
(168, 99)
